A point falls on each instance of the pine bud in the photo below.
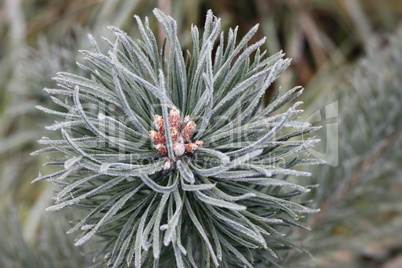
(188, 130)
(159, 124)
(156, 137)
(161, 149)
(174, 119)
(179, 149)
(191, 147)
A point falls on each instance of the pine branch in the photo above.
(176, 154)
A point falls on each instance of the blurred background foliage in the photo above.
(343, 50)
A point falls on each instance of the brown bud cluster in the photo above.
(181, 135)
